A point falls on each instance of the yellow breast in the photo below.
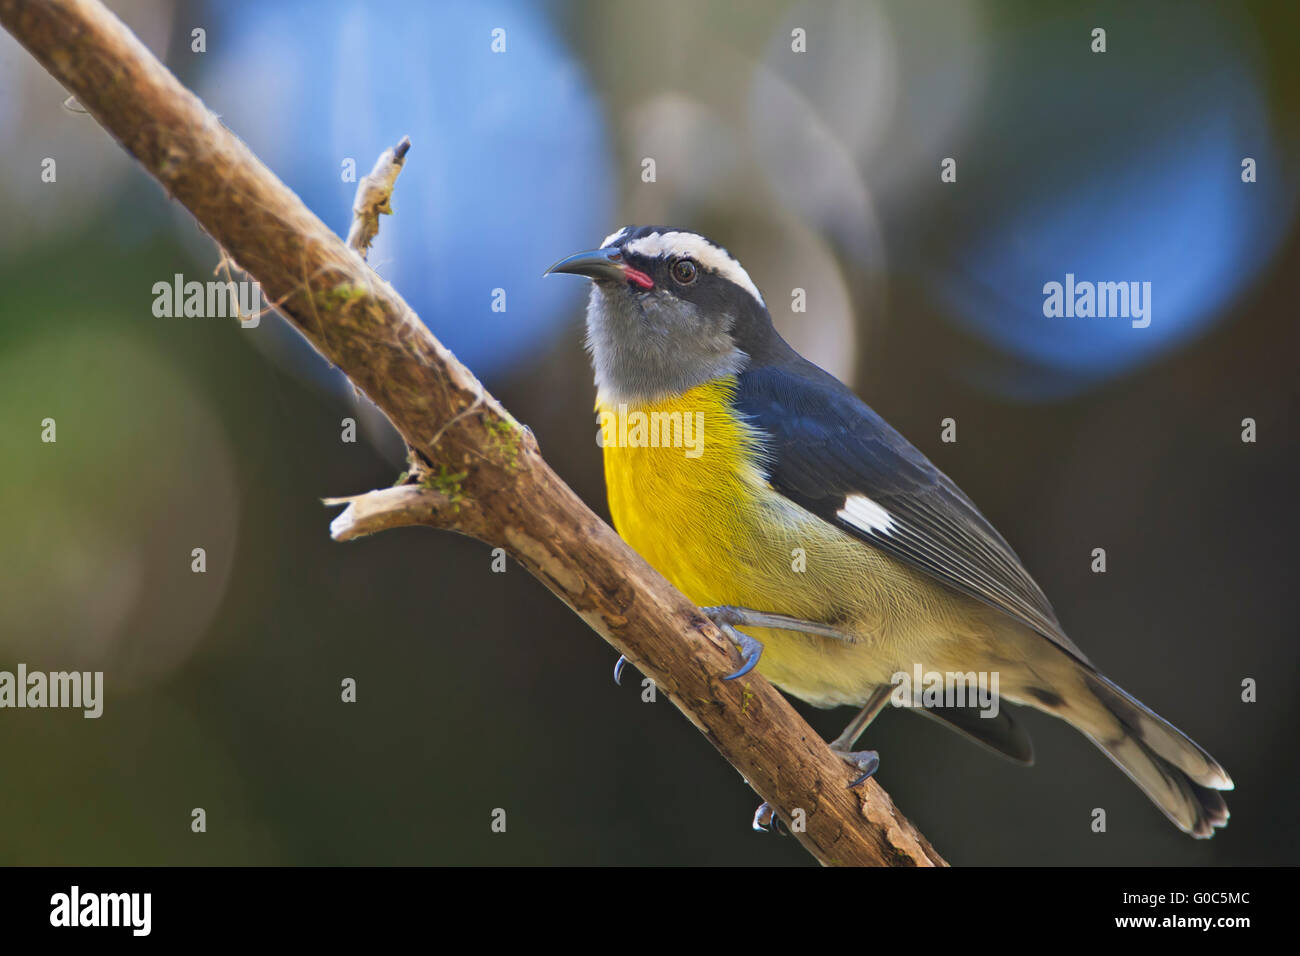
(687, 491)
(682, 482)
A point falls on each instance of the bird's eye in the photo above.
(684, 270)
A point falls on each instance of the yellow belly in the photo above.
(698, 509)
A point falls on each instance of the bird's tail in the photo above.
(1178, 775)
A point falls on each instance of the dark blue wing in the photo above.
(824, 444)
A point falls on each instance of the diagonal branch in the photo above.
(487, 479)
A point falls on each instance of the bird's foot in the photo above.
(751, 649)
(727, 617)
(766, 821)
(866, 761)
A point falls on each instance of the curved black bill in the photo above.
(596, 264)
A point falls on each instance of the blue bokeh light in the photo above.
(1129, 176)
(510, 167)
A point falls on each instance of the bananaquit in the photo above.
(760, 457)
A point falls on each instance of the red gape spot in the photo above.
(637, 277)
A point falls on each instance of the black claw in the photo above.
(750, 648)
(618, 670)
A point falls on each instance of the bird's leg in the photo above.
(727, 616)
(842, 746)
(747, 617)
(874, 705)
(866, 761)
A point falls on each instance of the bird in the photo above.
(829, 549)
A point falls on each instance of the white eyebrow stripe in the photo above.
(699, 249)
(613, 237)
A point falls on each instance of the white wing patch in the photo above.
(863, 513)
(699, 249)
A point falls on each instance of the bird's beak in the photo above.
(596, 264)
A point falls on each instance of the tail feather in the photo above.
(1179, 776)
(1193, 808)
(1162, 737)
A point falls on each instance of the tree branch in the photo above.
(488, 479)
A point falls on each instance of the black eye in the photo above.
(684, 270)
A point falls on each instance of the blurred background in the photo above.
(807, 137)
